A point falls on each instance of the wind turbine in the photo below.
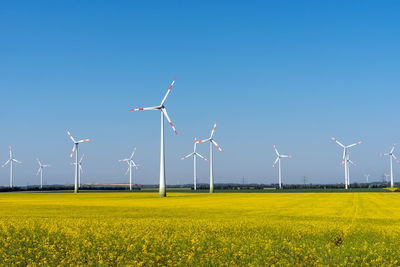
(391, 156)
(130, 163)
(212, 142)
(161, 107)
(278, 160)
(11, 160)
(386, 177)
(194, 154)
(80, 170)
(40, 170)
(77, 173)
(346, 160)
(366, 177)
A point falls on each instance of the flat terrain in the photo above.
(200, 229)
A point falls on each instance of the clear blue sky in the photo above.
(290, 73)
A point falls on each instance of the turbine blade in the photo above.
(10, 152)
(385, 154)
(38, 161)
(286, 156)
(398, 161)
(201, 156)
(169, 90)
(17, 161)
(215, 144)
(5, 163)
(80, 168)
(213, 130)
(121, 160)
(133, 153)
(127, 170)
(38, 172)
(352, 163)
(202, 141)
(343, 158)
(84, 140)
(149, 108)
(391, 151)
(340, 144)
(277, 158)
(72, 152)
(70, 136)
(135, 165)
(80, 161)
(169, 120)
(185, 157)
(276, 151)
(359, 142)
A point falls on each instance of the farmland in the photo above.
(357, 228)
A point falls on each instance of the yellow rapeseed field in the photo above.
(231, 229)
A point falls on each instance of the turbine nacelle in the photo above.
(41, 167)
(391, 154)
(161, 107)
(194, 153)
(76, 143)
(211, 139)
(11, 159)
(279, 156)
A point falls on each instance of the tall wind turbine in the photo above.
(194, 154)
(76, 143)
(346, 160)
(161, 107)
(11, 160)
(367, 176)
(80, 169)
(212, 142)
(391, 157)
(130, 163)
(40, 170)
(278, 160)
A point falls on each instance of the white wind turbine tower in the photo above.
(367, 176)
(391, 157)
(40, 170)
(278, 160)
(76, 143)
(212, 142)
(346, 161)
(194, 154)
(130, 164)
(11, 160)
(162, 191)
(80, 169)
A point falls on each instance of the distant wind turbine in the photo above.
(278, 160)
(11, 160)
(76, 143)
(366, 177)
(212, 142)
(162, 191)
(386, 177)
(391, 157)
(40, 170)
(80, 169)
(346, 160)
(194, 154)
(130, 164)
